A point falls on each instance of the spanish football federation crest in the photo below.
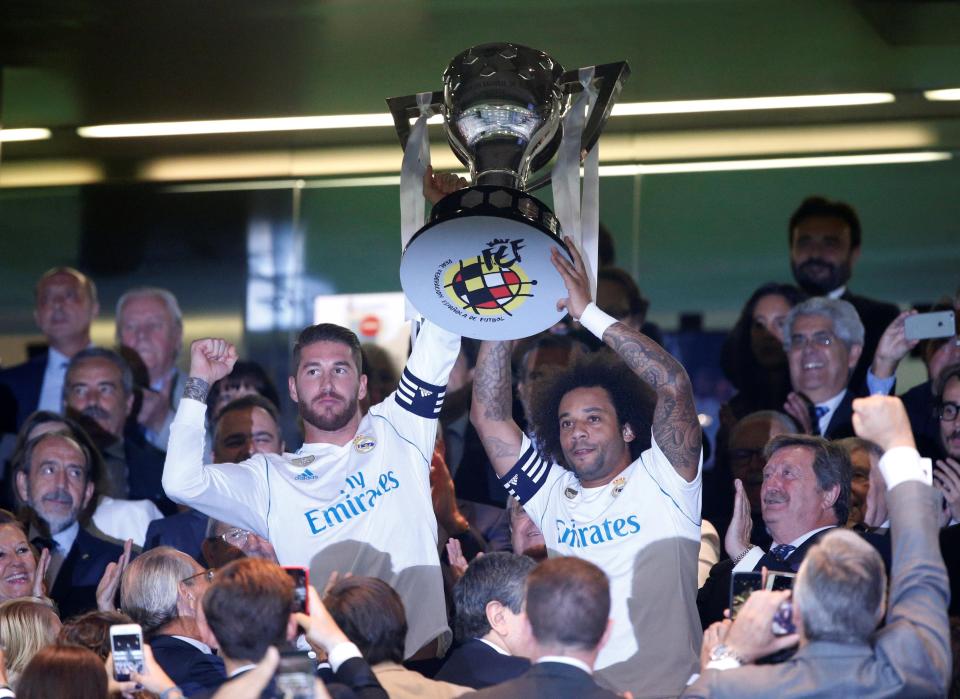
(479, 281)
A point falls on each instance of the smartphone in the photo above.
(923, 326)
(126, 641)
(780, 581)
(742, 585)
(301, 578)
(295, 677)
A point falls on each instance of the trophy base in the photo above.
(481, 268)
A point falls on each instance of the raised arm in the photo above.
(676, 428)
(491, 412)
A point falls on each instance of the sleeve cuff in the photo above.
(527, 476)
(880, 387)
(749, 562)
(341, 653)
(595, 320)
(904, 464)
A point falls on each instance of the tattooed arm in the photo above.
(491, 412)
(675, 424)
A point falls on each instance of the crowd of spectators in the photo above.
(511, 519)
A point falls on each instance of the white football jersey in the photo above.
(362, 508)
(643, 530)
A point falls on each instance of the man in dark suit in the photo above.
(568, 609)
(825, 241)
(54, 481)
(246, 609)
(161, 591)
(66, 304)
(98, 393)
(840, 598)
(805, 491)
(494, 643)
(823, 339)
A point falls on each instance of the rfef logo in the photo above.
(491, 284)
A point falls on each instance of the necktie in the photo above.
(780, 552)
(817, 412)
(43, 542)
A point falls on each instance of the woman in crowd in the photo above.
(21, 574)
(26, 626)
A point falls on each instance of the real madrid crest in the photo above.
(362, 443)
(571, 492)
(618, 485)
(303, 460)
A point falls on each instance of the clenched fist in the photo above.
(882, 420)
(211, 359)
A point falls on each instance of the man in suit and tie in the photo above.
(55, 482)
(805, 492)
(840, 596)
(823, 339)
(568, 609)
(824, 238)
(66, 304)
(493, 636)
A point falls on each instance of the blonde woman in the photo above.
(26, 626)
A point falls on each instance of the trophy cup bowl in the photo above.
(481, 266)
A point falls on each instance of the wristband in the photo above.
(595, 320)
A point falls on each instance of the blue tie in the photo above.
(780, 552)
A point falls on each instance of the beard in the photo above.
(330, 420)
(47, 507)
(818, 277)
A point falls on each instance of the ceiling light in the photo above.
(747, 103)
(10, 135)
(948, 95)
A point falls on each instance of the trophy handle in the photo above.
(610, 77)
(405, 108)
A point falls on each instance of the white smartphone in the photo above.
(126, 641)
(924, 326)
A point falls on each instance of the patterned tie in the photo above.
(817, 412)
(781, 552)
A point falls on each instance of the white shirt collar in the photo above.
(199, 645)
(493, 645)
(803, 537)
(242, 668)
(566, 661)
(831, 406)
(838, 292)
(66, 538)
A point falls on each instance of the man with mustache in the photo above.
(824, 238)
(54, 480)
(66, 304)
(98, 393)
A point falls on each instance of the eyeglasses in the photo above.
(236, 537)
(947, 412)
(207, 574)
(820, 339)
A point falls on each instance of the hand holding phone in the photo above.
(301, 581)
(126, 642)
(924, 326)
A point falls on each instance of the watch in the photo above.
(722, 657)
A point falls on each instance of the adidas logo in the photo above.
(513, 481)
(425, 393)
(307, 475)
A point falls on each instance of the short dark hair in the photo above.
(249, 373)
(23, 465)
(328, 332)
(247, 606)
(253, 400)
(62, 670)
(371, 614)
(568, 602)
(126, 373)
(632, 399)
(92, 631)
(821, 206)
(951, 371)
(495, 577)
(831, 465)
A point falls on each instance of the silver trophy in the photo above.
(481, 266)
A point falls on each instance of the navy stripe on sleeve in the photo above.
(419, 397)
(527, 476)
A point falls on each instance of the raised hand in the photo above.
(892, 348)
(882, 420)
(436, 187)
(211, 359)
(321, 630)
(575, 278)
(40, 573)
(798, 407)
(110, 582)
(946, 479)
(737, 539)
(751, 634)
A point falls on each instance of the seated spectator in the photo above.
(65, 672)
(372, 616)
(525, 537)
(114, 520)
(98, 393)
(753, 358)
(55, 483)
(946, 472)
(491, 631)
(868, 509)
(823, 338)
(246, 610)
(840, 596)
(18, 565)
(568, 609)
(161, 591)
(92, 631)
(26, 626)
(225, 543)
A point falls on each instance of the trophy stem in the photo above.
(499, 178)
